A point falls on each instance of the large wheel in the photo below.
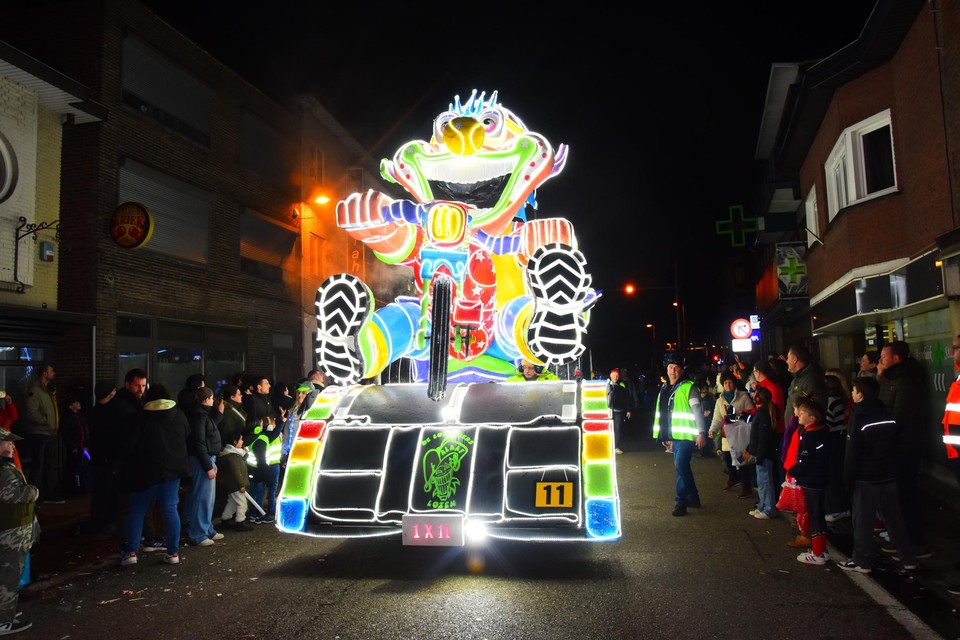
(441, 295)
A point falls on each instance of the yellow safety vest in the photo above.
(683, 424)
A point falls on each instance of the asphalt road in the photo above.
(716, 573)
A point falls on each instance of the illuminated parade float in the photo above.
(464, 453)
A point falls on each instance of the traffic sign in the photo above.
(741, 328)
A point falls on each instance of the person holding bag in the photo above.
(731, 403)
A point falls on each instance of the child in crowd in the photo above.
(812, 472)
(19, 530)
(235, 483)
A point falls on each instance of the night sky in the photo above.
(660, 108)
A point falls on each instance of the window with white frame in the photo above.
(862, 164)
(812, 217)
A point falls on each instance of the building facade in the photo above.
(190, 230)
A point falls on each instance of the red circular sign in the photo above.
(741, 328)
(131, 225)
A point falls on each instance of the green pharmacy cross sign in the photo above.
(737, 226)
(792, 271)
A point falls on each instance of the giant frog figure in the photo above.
(520, 287)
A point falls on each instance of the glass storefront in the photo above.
(170, 351)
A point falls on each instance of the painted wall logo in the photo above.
(131, 225)
(9, 170)
(440, 464)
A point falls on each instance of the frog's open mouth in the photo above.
(482, 195)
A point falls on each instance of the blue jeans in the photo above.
(167, 495)
(260, 489)
(766, 487)
(686, 486)
(199, 508)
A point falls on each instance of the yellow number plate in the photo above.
(554, 494)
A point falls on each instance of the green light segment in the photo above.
(598, 480)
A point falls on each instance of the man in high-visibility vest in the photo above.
(679, 423)
(951, 427)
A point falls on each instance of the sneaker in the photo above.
(253, 519)
(618, 451)
(206, 542)
(156, 545)
(922, 552)
(172, 558)
(754, 512)
(127, 559)
(217, 536)
(954, 589)
(850, 565)
(267, 519)
(14, 626)
(679, 511)
(833, 517)
(810, 558)
(243, 525)
(760, 515)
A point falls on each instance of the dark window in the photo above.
(878, 160)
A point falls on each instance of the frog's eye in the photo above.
(492, 121)
(440, 123)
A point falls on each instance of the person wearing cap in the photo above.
(19, 530)
(678, 422)
(619, 402)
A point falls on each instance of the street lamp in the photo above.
(681, 312)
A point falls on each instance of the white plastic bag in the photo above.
(738, 436)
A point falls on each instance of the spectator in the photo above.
(186, 397)
(812, 472)
(951, 428)
(903, 390)
(234, 421)
(838, 410)
(127, 407)
(155, 461)
(236, 483)
(20, 530)
(40, 426)
(870, 470)
(106, 454)
(731, 404)
(868, 364)
(265, 443)
(75, 435)
(619, 402)
(763, 447)
(203, 447)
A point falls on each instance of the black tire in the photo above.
(442, 295)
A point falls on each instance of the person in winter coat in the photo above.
(870, 471)
(620, 403)
(19, 530)
(812, 472)
(236, 483)
(731, 404)
(763, 447)
(203, 446)
(40, 425)
(903, 390)
(234, 421)
(155, 461)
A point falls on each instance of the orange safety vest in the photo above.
(951, 420)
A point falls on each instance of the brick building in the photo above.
(225, 173)
(859, 196)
